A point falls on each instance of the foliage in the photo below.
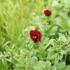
(18, 51)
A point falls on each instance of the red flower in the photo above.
(47, 12)
(36, 36)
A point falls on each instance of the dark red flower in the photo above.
(47, 12)
(36, 36)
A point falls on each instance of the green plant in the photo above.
(18, 51)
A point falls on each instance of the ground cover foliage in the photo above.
(18, 51)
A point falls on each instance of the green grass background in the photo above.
(17, 50)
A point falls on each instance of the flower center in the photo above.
(35, 38)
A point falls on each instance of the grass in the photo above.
(18, 51)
